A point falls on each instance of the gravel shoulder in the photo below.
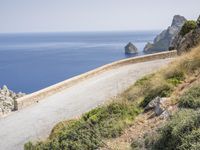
(35, 122)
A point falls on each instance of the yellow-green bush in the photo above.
(89, 131)
(188, 26)
(184, 126)
(191, 98)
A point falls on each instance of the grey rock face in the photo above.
(130, 48)
(198, 21)
(7, 98)
(178, 21)
(184, 43)
(163, 40)
(147, 47)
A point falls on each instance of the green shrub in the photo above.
(89, 131)
(137, 144)
(191, 98)
(162, 90)
(175, 76)
(144, 80)
(180, 129)
(191, 141)
(188, 26)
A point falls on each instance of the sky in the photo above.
(92, 15)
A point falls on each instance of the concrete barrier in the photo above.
(39, 95)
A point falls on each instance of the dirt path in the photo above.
(35, 122)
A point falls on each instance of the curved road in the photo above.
(35, 122)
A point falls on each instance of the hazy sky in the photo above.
(92, 15)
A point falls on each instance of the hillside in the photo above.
(159, 111)
(104, 123)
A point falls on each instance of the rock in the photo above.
(158, 105)
(184, 43)
(1, 112)
(163, 40)
(198, 21)
(147, 47)
(159, 109)
(7, 98)
(130, 48)
(166, 114)
(152, 104)
(178, 21)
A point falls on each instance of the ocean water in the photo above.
(32, 61)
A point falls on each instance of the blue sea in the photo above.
(32, 61)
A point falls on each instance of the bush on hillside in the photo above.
(191, 98)
(188, 26)
(182, 132)
(175, 76)
(191, 141)
(161, 90)
(89, 131)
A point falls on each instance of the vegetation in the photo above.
(188, 26)
(182, 132)
(89, 131)
(191, 99)
(110, 120)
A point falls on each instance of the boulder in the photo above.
(163, 40)
(7, 98)
(159, 109)
(130, 48)
(152, 104)
(158, 105)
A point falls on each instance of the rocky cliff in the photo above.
(183, 43)
(164, 39)
(7, 98)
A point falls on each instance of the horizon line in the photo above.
(81, 31)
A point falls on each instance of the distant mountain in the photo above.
(164, 39)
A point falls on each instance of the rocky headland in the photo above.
(188, 37)
(7, 98)
(163, 40)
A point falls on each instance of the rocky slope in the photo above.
(185, 43)
(163, 40)
(7, 98)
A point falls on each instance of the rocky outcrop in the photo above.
(163, 40)
(159, 106)
(7, 98)
(184, 43)
(198, 21)
(130, 48)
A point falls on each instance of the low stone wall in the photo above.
(39, 95)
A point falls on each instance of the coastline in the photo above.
(39, 95)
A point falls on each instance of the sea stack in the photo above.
(130, 48)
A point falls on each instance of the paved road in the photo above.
(35, 122)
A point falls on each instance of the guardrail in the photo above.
(39, 95)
